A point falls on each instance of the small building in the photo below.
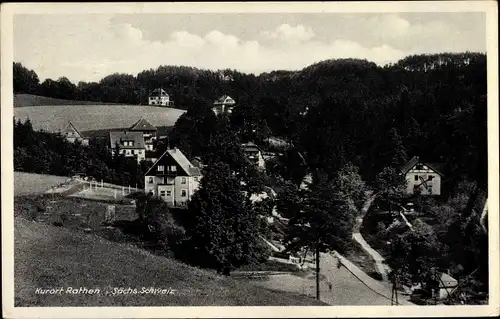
(254, 154)
(159, 97)
(447, 286)
(72, 135)
(130, 144)
(173, 178)
(224, 104)
(423, 178)
(147, 130)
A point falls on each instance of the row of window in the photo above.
(183, 180)
(172, 168)
(168, 192)
(429, 178)
(128, 143)
(133, 152)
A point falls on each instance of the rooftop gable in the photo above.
(225, 99)
(71, 128)
(142, 125)
(121, 136)
(187, 167)
(437, 167)
(158, 92)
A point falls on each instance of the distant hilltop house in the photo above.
(173, 178)
(130, 144)
(254, 154)
(224, 104)
(423, 178)
(159, 97)
(147, 130)
(72, 134)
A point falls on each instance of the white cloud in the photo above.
(288, 33)
(87, 52)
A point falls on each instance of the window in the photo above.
(127, 152)
(431, 177)
(183, 180)
(173, 168)
(169, 193)
(416, 177)
(151, 179)
(183, 193)
(133, 152)
(162, 193)
(161, 168)
(419, 166)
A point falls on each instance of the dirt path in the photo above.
(382, 268)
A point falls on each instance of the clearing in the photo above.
(54, 257)
(95, 117)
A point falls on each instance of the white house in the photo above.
(173, 178)
(159, 97)
(131, 144)
(71, 133)
(422, 177)
(224, 104)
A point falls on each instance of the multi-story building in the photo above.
(422, 178)
(72, 135)
(224, 104)
(130, 144)
(173, 178)
(159, 97)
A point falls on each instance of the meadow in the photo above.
(53, 118)
(30, 183)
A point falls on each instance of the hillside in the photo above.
(22, 100)
(95, 117)
(52, 257)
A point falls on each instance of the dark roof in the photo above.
(250, 147)
(158, 92)
(225, 99)
(120, 136)
(142, 125)
(181, 160)
(437, 167)
(72, 128)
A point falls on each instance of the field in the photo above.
(29, 183)
(95, 117)
(53, 257)
(22, 100)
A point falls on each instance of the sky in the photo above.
(87, 47)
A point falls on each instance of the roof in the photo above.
(70, 127)
(142, 125)
(120, 136)
(250, 147)
(437, 167)
(225, 99)
(158, 92)
(181, 160)
(447, 280)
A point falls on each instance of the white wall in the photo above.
(411, 182)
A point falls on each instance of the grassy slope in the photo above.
(22, 100)
(47, 256)
(30, 183)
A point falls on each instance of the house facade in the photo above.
(173, 178)
(130, 144)
(224, 104)
(159, 97)
(72, 135)
(422, 178)
(254, 154)
(148, 131)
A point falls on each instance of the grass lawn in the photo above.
(95, 117)
(30, 183)
(56, 257)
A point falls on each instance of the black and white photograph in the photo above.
(250, 155)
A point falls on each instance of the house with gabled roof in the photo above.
(173, 178)
(130, 144)
(72, 134)
(254, 154)
(224, 104)
(159, 97)
(423, 178)
(147, 130)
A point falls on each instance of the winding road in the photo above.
(382, 268)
